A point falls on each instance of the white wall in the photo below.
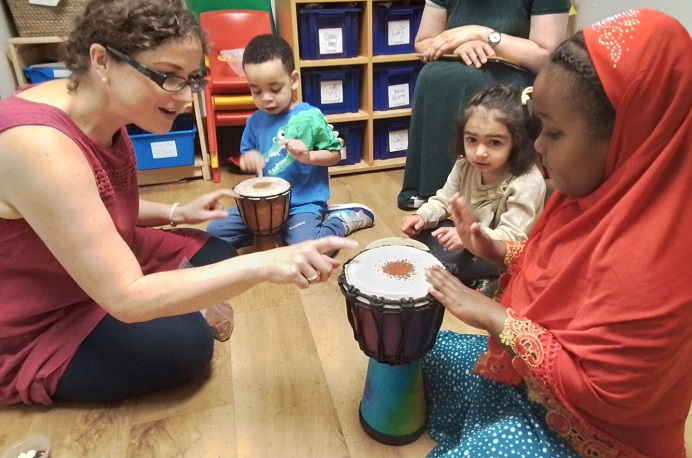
(590, 11)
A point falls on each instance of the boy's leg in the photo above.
(231, 229)
(301, 227)
(353, 216)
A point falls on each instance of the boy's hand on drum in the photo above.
(471, 307)
(304, 263)
(252, 162)
(412, 225)
(206, 207)
(448, 238)
(297, 149)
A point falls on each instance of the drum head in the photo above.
(262, 187)
(398, 241)
(391, 271)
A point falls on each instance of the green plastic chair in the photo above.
(202, 6)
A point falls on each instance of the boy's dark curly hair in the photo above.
(264, 48)
(523, 124)
(591, 98)
(130, 26)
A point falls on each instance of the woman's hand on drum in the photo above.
(448, 238)
(252, 162)
(204, 208)
(304, 263)
(471, 307)
(412, 225)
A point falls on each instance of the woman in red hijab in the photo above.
(590, 351)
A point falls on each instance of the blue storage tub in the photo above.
(333, 89)
(393, 85)
(173, 149)
(352, 134)
(44, 72)
(391, 137)
(395, 28)
(328, 33)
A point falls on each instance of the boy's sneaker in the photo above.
(353, 216)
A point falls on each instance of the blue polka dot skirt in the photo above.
(470, 416)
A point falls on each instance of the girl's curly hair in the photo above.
(130, 26)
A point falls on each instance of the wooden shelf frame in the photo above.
(287, 20)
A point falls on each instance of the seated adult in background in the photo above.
(93, 303)
(521, 31)
(591, 343)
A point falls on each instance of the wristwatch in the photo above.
(494, 38)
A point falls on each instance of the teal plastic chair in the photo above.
(202, 6)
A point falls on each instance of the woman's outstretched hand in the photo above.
(206, 207)
(304, 263)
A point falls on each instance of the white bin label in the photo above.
(162, 150)
(398, 140)
(398, 95)
(331, 92)
(331, 41)
(398, 33)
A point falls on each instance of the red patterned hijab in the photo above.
(608, 274)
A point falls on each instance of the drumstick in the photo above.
(499, 60)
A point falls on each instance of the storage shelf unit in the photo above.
(25, 51)
(287, 13)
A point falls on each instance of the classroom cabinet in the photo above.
(358, 65)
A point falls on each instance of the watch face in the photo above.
(494, 37)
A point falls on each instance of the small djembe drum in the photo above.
(263, 204)
(395, 321)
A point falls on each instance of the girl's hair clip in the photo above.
(526, 95)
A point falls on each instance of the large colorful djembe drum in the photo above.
(263, 203)
(395, 321)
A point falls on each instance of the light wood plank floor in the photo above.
(287, 384)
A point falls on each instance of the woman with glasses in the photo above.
(94, 304)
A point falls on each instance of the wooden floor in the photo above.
(287, 384)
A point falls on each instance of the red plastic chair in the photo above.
(226, 95)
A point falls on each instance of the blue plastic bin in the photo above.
(173, 149)
(44, 72)
(393, 85)
(328, 33)
(352, 134)
(333, 89)
(395, 28)
(391, 137)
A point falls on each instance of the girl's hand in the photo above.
(204, 208)
(297, 149)
(252, 162)
(470, 233)
(412, 225)
(475, 52)
(303, 263)
(471, 307)
(448, 238)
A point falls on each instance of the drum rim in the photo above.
(282, 192)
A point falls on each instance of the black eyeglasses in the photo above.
(170, 83)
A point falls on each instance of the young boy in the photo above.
(291, 140)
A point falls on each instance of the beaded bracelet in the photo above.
(170, 214)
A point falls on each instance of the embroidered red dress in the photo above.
(44, 314)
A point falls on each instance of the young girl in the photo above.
(496, 175)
